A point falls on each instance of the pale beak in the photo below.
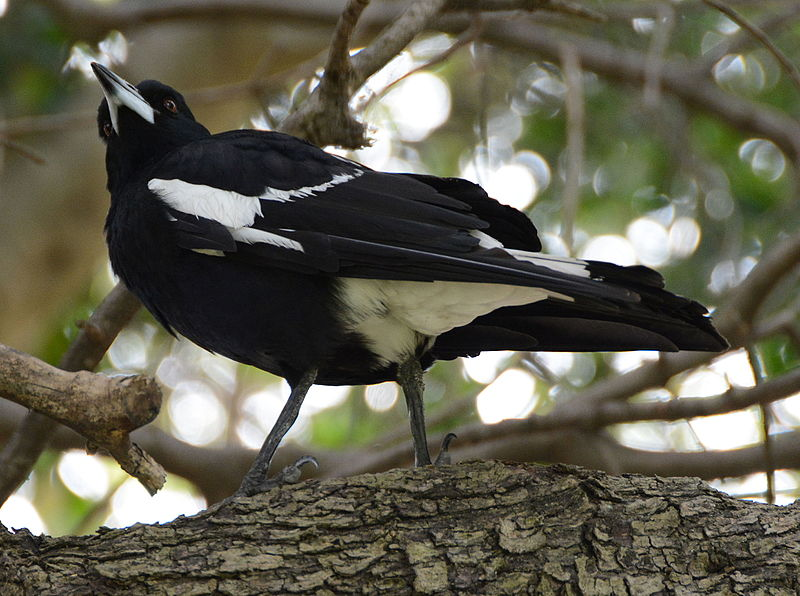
(120, 92)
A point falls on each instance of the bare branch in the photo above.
(761, 36)
(101, 408)
(325, 117)
(31, 438)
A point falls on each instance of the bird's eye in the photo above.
(108, 130)
(170, 105)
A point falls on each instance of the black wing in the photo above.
(276, 201)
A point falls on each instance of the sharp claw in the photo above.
(443, 458)
(291, 474)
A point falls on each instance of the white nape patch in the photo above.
(229, 208)
(278, 194)
(484, 240)
(562, 264)
(253, 236)
(395, 316)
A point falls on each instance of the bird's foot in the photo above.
(289, 475)
(443, 458)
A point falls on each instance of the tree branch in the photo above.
(101, 408)
(324, 117)
(676, 77)
(476, 528)
(31, 438)
(761, 37)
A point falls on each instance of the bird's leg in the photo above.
(409, 375)
(256, 479)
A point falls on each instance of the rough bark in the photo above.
(476, 528)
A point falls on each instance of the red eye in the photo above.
(108, 130)
(170, 105)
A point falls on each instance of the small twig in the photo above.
(736, 42)
(758, 33)
(469, 36)
(394, 38)
(22, 150)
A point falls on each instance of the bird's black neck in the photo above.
(129, 154)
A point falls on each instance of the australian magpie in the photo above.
(266, 249)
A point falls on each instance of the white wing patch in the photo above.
(561, 264)
(252, 236)
(484, 240)
(279, 194)
(236, 211)
(231, 209)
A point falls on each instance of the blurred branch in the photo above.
(576, 116)
(591, 449)
(618, 412)
(17, 127)
(85, 352)
(762, 38)
(678, 77)
(659, 42)
(90, 21)
(103, 409)
(777, 20)
(22, 150)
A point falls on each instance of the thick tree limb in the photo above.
(488, 528)
(31, 438)
(101, 408)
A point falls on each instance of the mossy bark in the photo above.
(472, 528)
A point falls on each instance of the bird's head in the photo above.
(140, 124)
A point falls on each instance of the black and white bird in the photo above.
(266, 249)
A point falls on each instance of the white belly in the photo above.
(396, 317)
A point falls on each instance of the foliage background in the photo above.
(653, 132)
